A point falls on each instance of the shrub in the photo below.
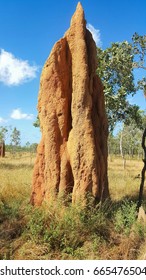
(125, 217)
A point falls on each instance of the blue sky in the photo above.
(28, 32)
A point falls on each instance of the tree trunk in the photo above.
(142, 172)
(2, 149)
(121, 150)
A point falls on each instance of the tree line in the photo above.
(14, 136)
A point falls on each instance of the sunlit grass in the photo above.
(16, 176)
(124, 182)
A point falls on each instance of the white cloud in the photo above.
(14, 71)
(18, 115)
(95, 34)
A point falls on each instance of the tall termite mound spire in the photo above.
(72, 154)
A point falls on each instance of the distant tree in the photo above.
(3, 133)
(143, 115)
(15, 138)
(33, 147)
(27, 144)
(113, 145)
(130, 140)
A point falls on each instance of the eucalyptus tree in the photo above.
(15, 139)
(3, 133)
(115, 68)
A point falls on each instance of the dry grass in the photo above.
(16, 176)
(50, 237)
(123, 182)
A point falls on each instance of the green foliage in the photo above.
(114, 67)
(139, 50)
(133, 116)
(3, 133)
(36, 225)
(125, 217)
(37, 122)
(57, 233)
(9, 211)
(131, 134)
(140, 229)
(113, 145)
(94, 217)
(15, 137)
(131, 139)
(67, 233)
(115, 70)
(33, 147)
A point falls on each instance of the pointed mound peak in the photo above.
(79, 6)
(78, 15)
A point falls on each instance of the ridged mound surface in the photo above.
(72, 154)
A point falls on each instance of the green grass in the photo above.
(108, 231)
